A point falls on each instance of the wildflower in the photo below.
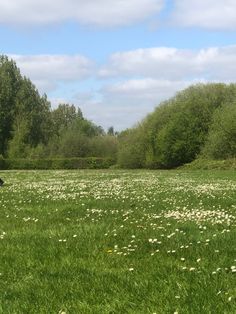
(233, 269)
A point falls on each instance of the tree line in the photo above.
(30, 128)
(197, 122)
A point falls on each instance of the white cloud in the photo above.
(46, 71)
(88, 12)
(146, 91)
(217, 63)
(210, 14)
(148, 76)
(159, 62)
(125, 103)
(109, 114)
(141, 79)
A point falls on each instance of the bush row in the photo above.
(56, 163)
(206, 164)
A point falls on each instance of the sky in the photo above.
(118, 59)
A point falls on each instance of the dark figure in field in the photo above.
(1, 182)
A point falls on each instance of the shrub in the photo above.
(59, 163)
(207, 164)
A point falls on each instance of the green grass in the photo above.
(118, 242)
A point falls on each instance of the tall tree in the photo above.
(31, 120)
(64, 116)
(9, 84)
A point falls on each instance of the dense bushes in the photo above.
(209, 164)
(197, 121)
(56, 163)
(131, 150)
(221, 141)
(31, 129)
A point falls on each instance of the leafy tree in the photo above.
(9, 82)
(177, 130)
(64, 116)
(110, 131)
(221, 142)
(103, 146)
(131, 148)
(31, 125)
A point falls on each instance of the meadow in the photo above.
(113, 241)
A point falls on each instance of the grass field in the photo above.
(118, 242)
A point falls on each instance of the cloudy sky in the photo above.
(118, 59)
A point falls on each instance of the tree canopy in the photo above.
(198, 121)
(30, 128)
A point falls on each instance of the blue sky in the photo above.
(118, 59)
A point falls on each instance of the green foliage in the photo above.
(131, 149)
(199, 121)
(73, 145)
(210, 164)
(221, 142)
(9, 85)
(177, 131)
(111, 131)
(30, 129)
(24, 114)
(2, 163)
(63, 117)
(82, 138)
(103, 146)
(56, 163)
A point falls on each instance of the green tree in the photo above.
(31, 124)
(103, 146)
(9, 84)
(64, 116)
(221, 142)
(131, 148)
(111, 131)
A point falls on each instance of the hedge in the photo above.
(56, 163)
(206, 164)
